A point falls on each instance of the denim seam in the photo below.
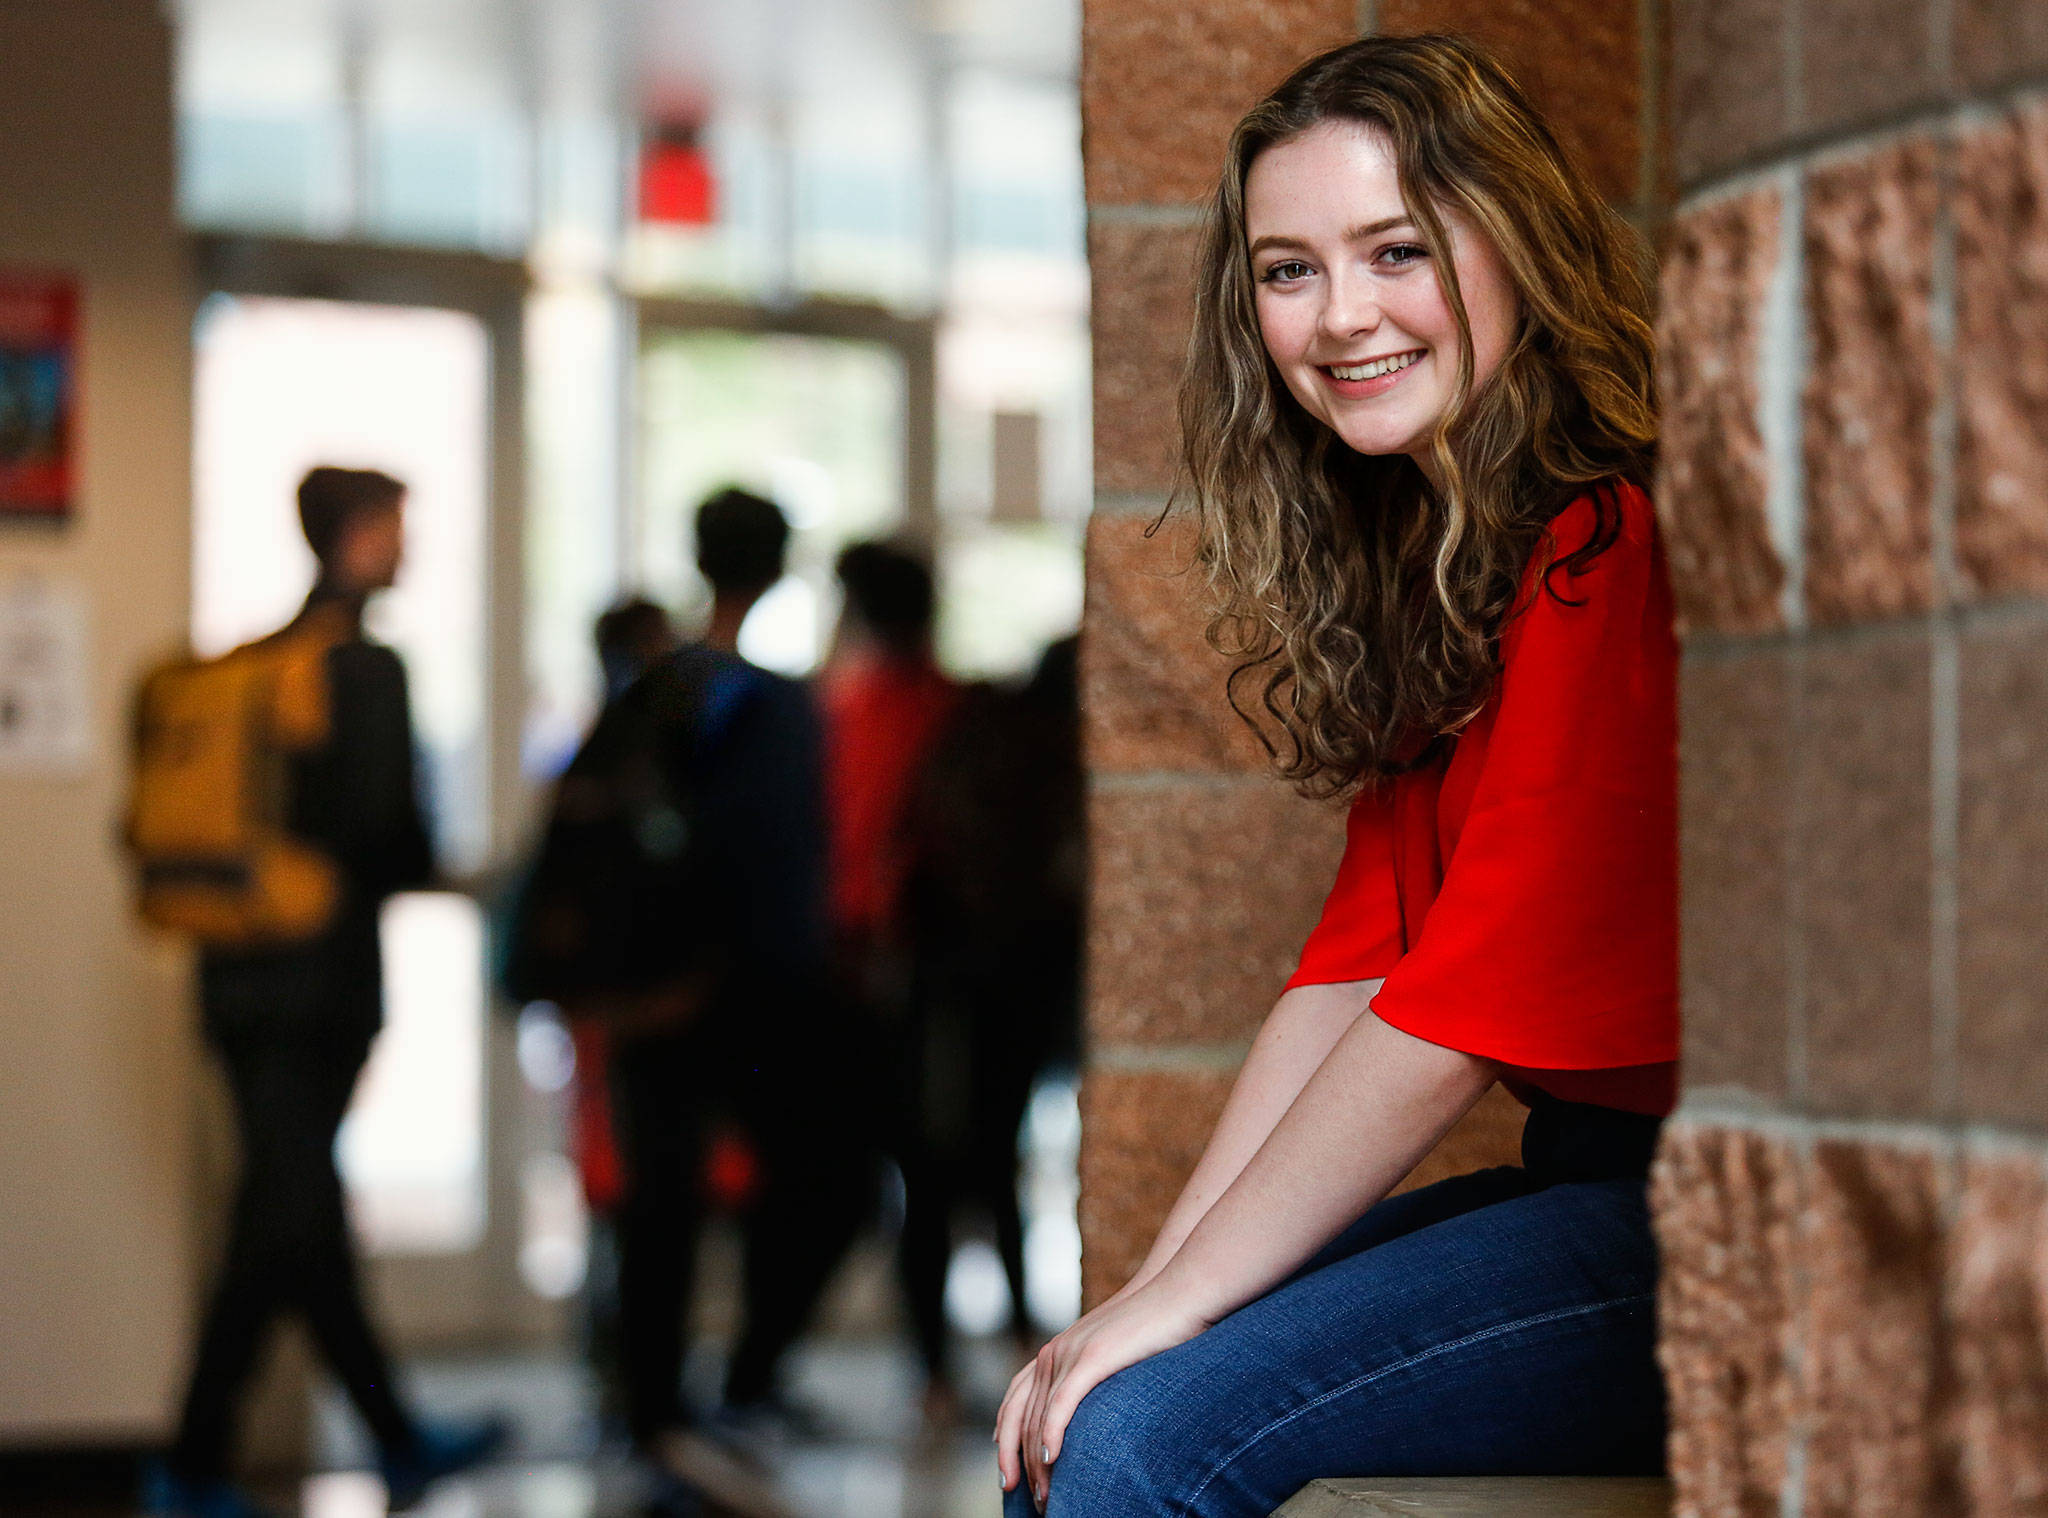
(1187, 1508)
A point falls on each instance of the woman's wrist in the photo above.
(1188, 1289)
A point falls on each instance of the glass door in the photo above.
(821, 410)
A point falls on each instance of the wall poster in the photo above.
(45, 677)
(38, 384)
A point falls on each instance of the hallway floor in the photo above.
(869, 1456)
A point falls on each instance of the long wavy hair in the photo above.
(1363, 606)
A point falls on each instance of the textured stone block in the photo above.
(1580, 60)
(1735, 822)
(1998, 1414)
(1997, 40)
(1200, 897)
(1164, 81)
(1727, 82)
(2002, 876)
(1490, 1134)
(1143, 280)
(1725, 1203)
(2001, 211)
(1718, 264)
(1864, 59)
(1865, 857)
(1872, 1254)
(1870, 384)
(1141, 1133)
(1152, 690)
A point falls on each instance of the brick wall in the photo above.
(1855, 361)
(1206, 872)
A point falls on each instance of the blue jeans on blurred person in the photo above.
(1499, 1323)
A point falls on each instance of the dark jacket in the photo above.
(355, 800)
(762, 805)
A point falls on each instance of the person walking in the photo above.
(992, 924)
(293, 1024)
(749, 1035)
(887, 705)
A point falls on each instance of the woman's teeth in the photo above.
(1374, 369)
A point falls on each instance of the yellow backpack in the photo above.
(210, 800)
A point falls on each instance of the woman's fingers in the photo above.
(1080, 1378)
(1034, 1417)
(1010, 1425)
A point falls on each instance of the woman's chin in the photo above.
(1375, 442)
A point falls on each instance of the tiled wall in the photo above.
(1207, 873)
(1855, 366)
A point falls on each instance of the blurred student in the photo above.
(747, 1038)
(633, 635)
(886, 702)
(992, 919)
(293, 1025)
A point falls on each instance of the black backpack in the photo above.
(617, 900)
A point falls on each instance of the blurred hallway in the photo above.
(560, 270)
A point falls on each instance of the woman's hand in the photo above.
(1043, 1395)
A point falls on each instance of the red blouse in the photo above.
(1521, 897)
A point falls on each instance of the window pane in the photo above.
(816, 424)
(282, 385)
(262, 117)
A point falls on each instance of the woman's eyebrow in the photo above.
(1356, 234)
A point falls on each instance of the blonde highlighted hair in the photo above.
(1364, 607)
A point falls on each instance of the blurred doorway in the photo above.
(306, 355)
(824, 408)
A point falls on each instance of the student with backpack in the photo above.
(678, 900)
(274, 811)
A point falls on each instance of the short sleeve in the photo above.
(1358, 937)
(1553, 941)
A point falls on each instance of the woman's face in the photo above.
(1349, 304)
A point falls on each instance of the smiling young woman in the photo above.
(1418, 420)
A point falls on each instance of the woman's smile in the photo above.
(1366, 378)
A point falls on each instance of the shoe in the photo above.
(440, 1450)
(166, 1494)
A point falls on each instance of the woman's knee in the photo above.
(1124, 1453)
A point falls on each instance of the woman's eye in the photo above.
(1285, 271)
(1402, 253)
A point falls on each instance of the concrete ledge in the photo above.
(1482, 1497)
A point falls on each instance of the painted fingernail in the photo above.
(1045, 1453)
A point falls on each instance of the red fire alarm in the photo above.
(676, 184)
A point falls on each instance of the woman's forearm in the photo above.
(1298, 1035)
(1376, 1105)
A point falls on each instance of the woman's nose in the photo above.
(1349, 309)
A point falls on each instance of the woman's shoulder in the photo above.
(1597, 560)
(1610, 516)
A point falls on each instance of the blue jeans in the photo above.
(1499, 1323)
